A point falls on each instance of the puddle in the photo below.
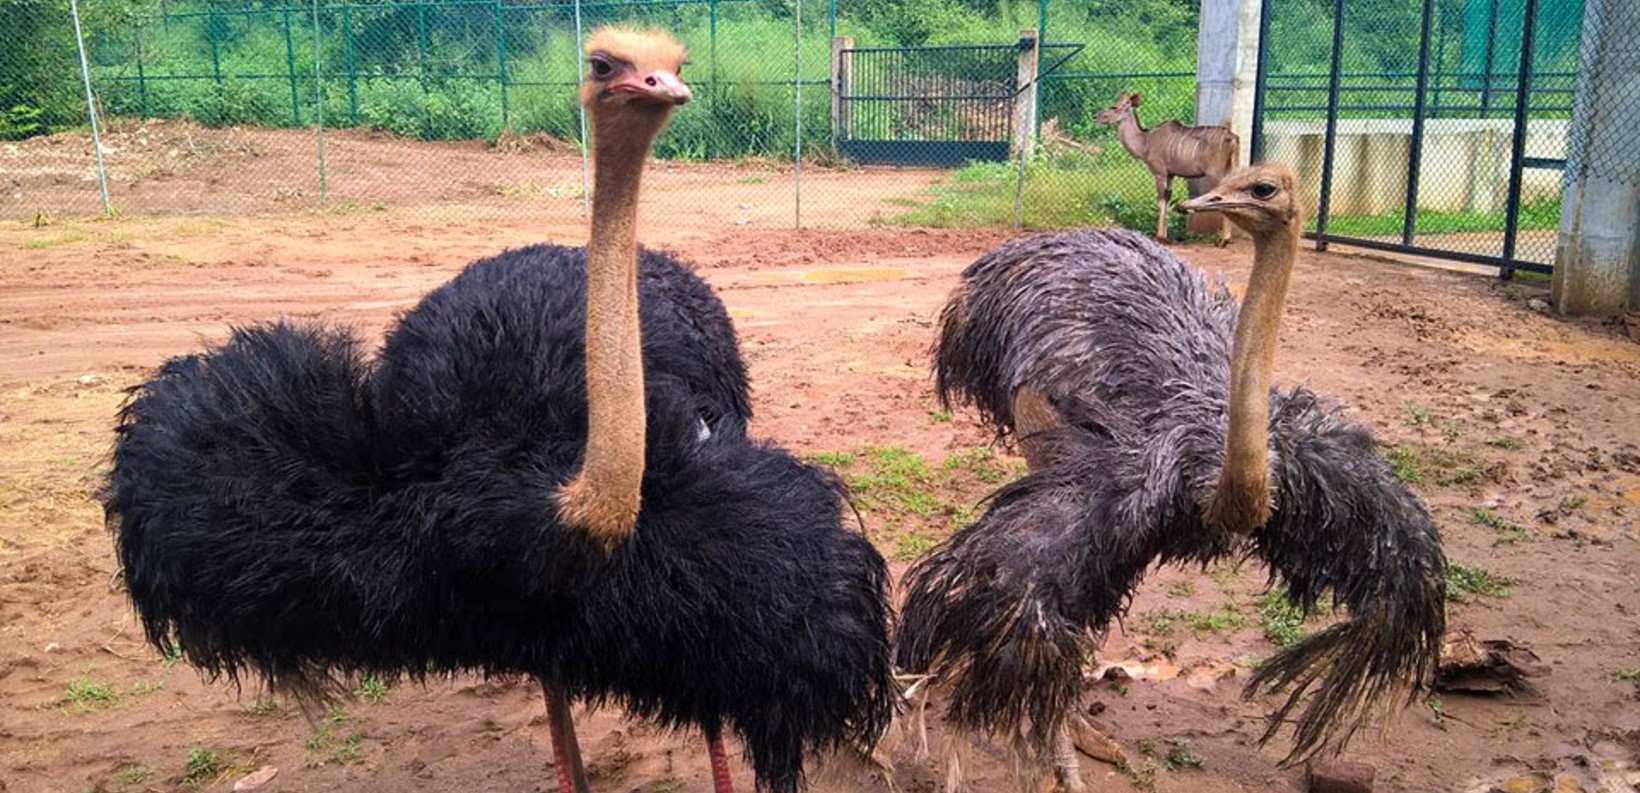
(831, 275)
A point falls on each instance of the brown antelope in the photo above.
(1173, 149)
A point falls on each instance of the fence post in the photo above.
(501, 63)
(840, 79)
(1226, 67)
(1255, 150)
(91, 109)
(142, 76)
(1025, 96)
(350, 65)
(1415, 157)
(1486, 68)
(1517, 149)
(712, 93)
(797, 109)
(319, 103)
(1329, 151)
(216, 55)
(290, 72)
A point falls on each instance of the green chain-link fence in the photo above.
(446, 107)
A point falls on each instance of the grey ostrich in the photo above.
(1142, 400)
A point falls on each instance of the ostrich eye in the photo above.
(1263, 191)
(601, 68)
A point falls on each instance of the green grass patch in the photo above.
(1075, 189)
(1281, 621)
(133, 774)
(1463, 582)
(1533, 216)
(85, 695)
(912, 545)
(1417, 463)
(1507, 442)
(373, 690)
(1508, 531)
(1180, 755)
(1416, 415)
(939, 417)
(340, 745)
(204, 766)
(1166, 622)
(263, 706)
(832, 459)
(1179, 589)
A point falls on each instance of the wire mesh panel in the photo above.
(1402, 120)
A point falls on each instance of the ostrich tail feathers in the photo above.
(270, 427)
(1345, 527)
(1339, 679)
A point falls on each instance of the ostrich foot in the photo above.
(566, 753)
(1067, 769)
(721, 783)
(1095, 743)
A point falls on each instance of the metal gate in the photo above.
(932, 106)
(1437, 128)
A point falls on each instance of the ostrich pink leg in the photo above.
(566, 754)
(721, 783)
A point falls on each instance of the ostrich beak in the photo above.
(1206, 202)
(661, 86)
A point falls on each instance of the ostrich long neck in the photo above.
(1241, 502)
(605, 496)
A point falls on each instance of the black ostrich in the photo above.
(286, 508)
(1145, 409)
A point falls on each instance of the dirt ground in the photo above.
(1521, 429)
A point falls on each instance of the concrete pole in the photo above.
(1227, 66)
(1025, 100)
(1597, 260)
(841, 74)
(1226, 74)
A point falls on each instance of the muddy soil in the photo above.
(1522, 430)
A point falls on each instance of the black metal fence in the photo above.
(1437, 127)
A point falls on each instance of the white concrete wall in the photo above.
(1464, 166)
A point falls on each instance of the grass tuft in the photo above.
(1463, 581)
(1508, 531)
(203, 767)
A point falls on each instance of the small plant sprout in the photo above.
(1180, 756)
(1464, 580)
(1416, 415)
(204, 766)
(1508, 532)
(373, 690)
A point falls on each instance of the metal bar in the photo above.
(1437, 253)
(319, 102)
(501, 63)
(1440, 59)
(290, 69)
(91, 109)
(938, 47)
(1517, 152)
(1330, 146)
(1550, 163)
(1486, 70)
(1260, 73)
(797, 109)
(1415, 156)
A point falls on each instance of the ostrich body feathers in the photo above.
(283, 506)
(1132, 347)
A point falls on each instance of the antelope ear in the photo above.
(1133, 99)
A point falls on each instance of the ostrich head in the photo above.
(632, 78)
(1124, 104)
(1260, 199)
